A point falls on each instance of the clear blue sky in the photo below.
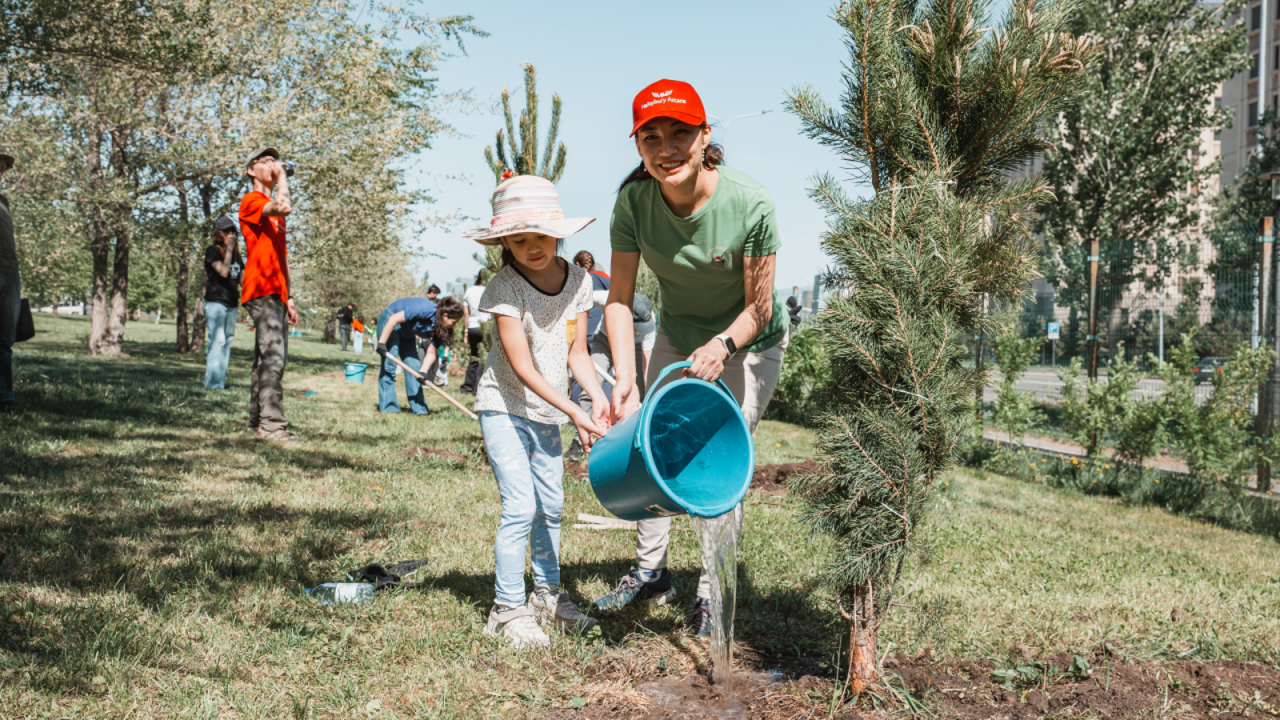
(741, 56)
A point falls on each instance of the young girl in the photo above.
(540, 304)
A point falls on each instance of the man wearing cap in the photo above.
(10, 295)
(223, 267)
(266, 293)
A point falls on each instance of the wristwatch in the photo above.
(729, 345)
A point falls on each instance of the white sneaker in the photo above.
(518, 626)
(557, 609)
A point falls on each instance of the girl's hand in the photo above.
(708, 361)
(586, 428)
(600, 413)
(625, 401)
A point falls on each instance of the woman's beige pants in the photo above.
(752, 378)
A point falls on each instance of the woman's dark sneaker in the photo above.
(657, 591)
(699, 621)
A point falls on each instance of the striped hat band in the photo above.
(526, 203)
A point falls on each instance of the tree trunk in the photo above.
(113, 340)
(331, 330)
(199, 329)
(183, 344)
(100, 249)
(863, 670)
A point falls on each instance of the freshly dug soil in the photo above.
(767, 480)
(772, 479)
(1165, 689)
(960, 689)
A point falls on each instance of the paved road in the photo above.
(1046, 386)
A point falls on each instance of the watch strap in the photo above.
(729, 344)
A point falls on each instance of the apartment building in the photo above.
(1253, 91)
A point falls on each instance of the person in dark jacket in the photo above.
(222, 268)
(10, 295)
(345, 316)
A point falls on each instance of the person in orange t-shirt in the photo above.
(265, 292)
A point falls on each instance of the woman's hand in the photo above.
(625, 400)
(586, 428)
(708, 361)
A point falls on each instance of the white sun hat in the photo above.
(526, 203)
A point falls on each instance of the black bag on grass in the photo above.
(388, 577)
(26, 326)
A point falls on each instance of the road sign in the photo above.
(1053, 331)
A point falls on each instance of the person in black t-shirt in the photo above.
(223, 267)
(345, 316)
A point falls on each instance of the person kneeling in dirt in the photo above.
(401, 324)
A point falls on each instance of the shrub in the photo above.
(804, 372)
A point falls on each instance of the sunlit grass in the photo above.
(155, 552)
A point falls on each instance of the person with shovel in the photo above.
(709, 233)
(401, 324)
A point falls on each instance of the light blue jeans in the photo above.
(221, 321)
(403, 344)
(529, 466)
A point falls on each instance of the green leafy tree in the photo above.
(1015, 411)
(935, 110)
(523, 145)
(127, 143)
(1123, 159)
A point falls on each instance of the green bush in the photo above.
(804, 372)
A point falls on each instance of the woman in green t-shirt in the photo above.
(710, 236)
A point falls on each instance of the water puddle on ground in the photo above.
(721, 534)
(695, 698)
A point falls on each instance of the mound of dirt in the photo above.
(772, 479)
(1113, 689)
(964, 689)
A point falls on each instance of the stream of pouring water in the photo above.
(721, 534)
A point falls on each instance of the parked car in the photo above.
(1208, 367)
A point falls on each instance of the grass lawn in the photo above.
(154, 552)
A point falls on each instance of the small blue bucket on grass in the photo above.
(355, 372)
(686, 450)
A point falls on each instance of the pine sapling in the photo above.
(936, 111)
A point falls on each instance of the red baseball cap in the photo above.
(667, 98)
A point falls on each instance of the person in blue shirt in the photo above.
(399, 327)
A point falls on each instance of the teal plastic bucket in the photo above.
(687, 450)
(355, 372)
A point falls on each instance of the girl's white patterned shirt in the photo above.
(550, 322)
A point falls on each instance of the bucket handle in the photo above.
(680, 366)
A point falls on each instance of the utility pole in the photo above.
(1263, 408)
(1092, 337)
(1095, 249)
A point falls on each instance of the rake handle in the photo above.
(431, 385)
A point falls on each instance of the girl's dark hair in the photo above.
(450, 308)
(232, 238)
(509, 258)
(712, 155)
